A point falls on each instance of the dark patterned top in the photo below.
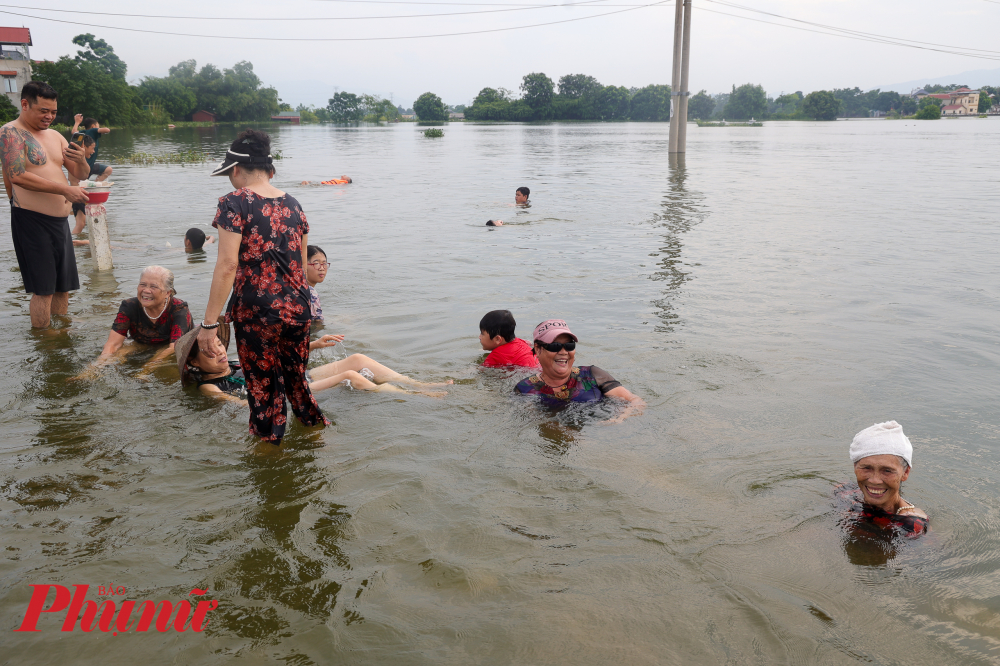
(860, 514)
(132, 321)
(235, 383)
(588, 383)
(315, 305)
(270, 283)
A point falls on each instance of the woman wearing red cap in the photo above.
(559, 382)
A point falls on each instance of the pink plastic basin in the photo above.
(98, 197)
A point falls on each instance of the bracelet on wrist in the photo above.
(210, 326)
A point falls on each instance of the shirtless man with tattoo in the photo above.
(33, 158)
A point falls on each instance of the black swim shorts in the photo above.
(97, 169)
(79, 208)
(44, 251)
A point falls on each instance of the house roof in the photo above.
(15, 36)
(206, 112)
(962, 89)
(286, 114)
(940, 96)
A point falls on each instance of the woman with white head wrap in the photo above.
(882, 457)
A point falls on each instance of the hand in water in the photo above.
(327, 341)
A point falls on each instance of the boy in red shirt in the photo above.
(496, 335)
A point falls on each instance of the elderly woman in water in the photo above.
(559, 382)
(882, 457)
(155, 317)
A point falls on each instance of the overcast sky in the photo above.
(631, 48)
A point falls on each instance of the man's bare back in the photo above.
(34, 152)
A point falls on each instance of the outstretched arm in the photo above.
(77, 119)
(635, 404)
(214, 391)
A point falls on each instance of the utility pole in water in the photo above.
(679, 84)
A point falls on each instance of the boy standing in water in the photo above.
(496, 335)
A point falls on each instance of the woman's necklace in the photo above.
(152, 318)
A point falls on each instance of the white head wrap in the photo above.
(881, 439)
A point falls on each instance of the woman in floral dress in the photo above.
(262, 254)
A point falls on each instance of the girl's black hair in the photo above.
(498, 322)
(313, 250)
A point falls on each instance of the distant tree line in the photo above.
(578, 97)
(93, 83)
(750, 101)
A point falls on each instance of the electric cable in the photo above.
(331, 39)
(586, 4)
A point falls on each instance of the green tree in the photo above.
(345, 107)
(8, 111)
(430, 107)
(307, 114)
(928, 101)
(701, 106)
(929, 112)
(536, 91)
(651, 103)
(907, 106)
(607, 103)
(93, 83)
(985, 102)
(821, 105)
(176, 99)
(747, 101)
(575, 86)
(490, 104)
(886, 101)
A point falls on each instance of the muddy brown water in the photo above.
(784, 288)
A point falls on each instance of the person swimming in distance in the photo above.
(882, 457)
(343, 180)
(520, 199)
(195, 239)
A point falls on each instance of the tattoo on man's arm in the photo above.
(12, 150)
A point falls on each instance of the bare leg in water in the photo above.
(356, 362)
(359, 382)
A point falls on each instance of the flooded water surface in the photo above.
(781, 289)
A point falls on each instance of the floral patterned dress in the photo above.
(270, 309)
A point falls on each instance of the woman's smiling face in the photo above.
(151, 292)
(880, 478)
(556, 365)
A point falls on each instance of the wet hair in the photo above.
(32, 90)
(525, 191)
(906, 465)
(498, 322)
(88, 140)
(313, 250)
(164, 273)
(88, 123)
(259, 143)
(196, 237)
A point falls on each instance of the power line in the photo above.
(855, 37)
(845, 30)
(586, 4)
(332, 39)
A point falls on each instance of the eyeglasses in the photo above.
(151, 287)
(556, 347)
(319, 264)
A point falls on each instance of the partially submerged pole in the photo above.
(675, 81)
(685, 94)
(100, 240)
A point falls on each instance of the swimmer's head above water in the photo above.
(521, 195)
(882, 457)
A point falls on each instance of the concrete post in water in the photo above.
(675, 81)
(100, 240)
(685, 94)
